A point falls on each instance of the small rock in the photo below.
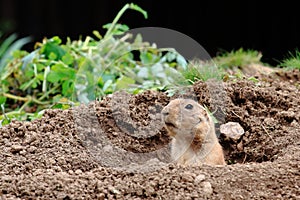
(63, 174)
(78, 171)
(61, 160)
(113, 190)
(6, 178)
(5, 134)
(187, 177)
(232, 130)
(32, 149)
(194, 194)
(199, 179)
(23, 152)
(269, 121)
(29, 166)
(16, 148)
(207, 188)
(57, 168)
(30, 137)
(174, 183)
(51, 161)
(101, 196)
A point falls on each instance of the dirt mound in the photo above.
(118, 148)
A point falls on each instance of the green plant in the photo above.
(58, 75)
(239, 58)
(293, 60)
(201, 70)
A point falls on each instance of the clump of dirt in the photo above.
(118, 148)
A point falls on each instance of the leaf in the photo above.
(54, 77)
(59, 72)
(52, 47)
(97, 34)
(107, 84)
(124, 82)
(107, 77)
(36, 115)
(138, 39)
(147, 58)
(253, 79)
(52, 56)
(57, 106)
(63, 100)
(29, 58)
(181, 61)
(170, 56)
(139, 9)
(143, 73)
(26, 85)
(67, 59)
(100, 82)
(157, 68)
(2, 100)
(4, 121)
(118, 29)
(29, 73)
(35, 83)
(55, 40)
(83, 98)
(67, 87)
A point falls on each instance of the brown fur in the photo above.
(192, 129)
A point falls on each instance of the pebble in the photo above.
(187, 177)
(16, 148)
(113, 190)
(32, 149)
(232, 130)
(199, 179)
(207, 188)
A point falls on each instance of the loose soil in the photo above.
(117, 148)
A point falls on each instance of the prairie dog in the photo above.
(192, 129)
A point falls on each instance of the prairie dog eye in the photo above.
(189, 107)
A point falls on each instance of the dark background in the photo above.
(271, 28)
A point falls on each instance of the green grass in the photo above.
(239, 58)
(200, 70)
(293, 61)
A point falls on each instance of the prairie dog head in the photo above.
(183, 116)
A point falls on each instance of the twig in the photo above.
(11, 96)
(268, 133)
(26, 99)
(244, 160)
(236, 114)
(48, 92)
(120, 13)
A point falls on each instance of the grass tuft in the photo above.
(202, 70)
(293, 61)
(239, 58)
